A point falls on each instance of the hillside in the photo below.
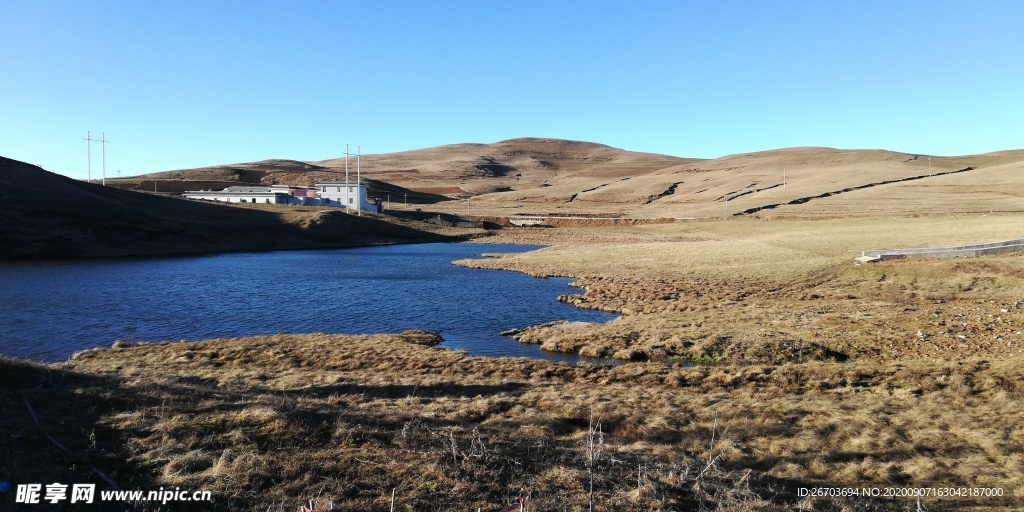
(45, 215)
(457, 170)
(548, 176)
(789, 182)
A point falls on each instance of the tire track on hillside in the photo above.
(741, 194)
(667, 192)
(573, 197)
(803, 200)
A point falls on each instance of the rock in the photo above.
(421, 337)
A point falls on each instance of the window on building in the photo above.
(350, 200)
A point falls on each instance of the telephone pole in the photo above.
(347, 195)
(103, 147)
(359, 193)
(88, 156)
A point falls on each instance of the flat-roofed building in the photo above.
(350, 195)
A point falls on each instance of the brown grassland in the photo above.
(898, 374)
(756, 358)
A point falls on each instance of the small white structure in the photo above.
(350, 195)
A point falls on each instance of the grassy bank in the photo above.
(893, 375)
(774, 291)
(269, 422)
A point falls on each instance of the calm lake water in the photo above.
(49, 310)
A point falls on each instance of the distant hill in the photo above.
(45, 215)
(797, 182)
(455, 170)
(550, 176)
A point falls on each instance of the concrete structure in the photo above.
(962, 251)
(351, 195)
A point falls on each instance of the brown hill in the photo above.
(550, 176)
(511, 164)
(790, 182)
(45, 215)
(454, 170)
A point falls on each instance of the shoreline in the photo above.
(458, 342)
(905, 374)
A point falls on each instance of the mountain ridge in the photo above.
(577, 177)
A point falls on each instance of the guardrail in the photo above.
(962, 251)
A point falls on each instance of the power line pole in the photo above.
(347, 194)
(359, 191)
(88, 156)
(104, 151)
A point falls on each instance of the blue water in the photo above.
(49, 310)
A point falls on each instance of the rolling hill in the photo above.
(559, 177)
(45, 215)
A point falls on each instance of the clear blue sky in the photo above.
(177, 84)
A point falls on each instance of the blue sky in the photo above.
(181, 84)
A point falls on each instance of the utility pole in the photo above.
(104, 151)
(88, 156)
(359, 191)
(347, 194)
(783, 178)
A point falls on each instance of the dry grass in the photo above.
(775, 291)
(854, 184)
(904, 373)
(269, 422)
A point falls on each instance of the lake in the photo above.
(51, 309)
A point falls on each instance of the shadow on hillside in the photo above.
(402, 197)
(52, 216)
(71, 413)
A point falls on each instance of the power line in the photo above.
(88, 155)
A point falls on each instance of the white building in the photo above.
(336, 194)
(241, 194)
(350, 195)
